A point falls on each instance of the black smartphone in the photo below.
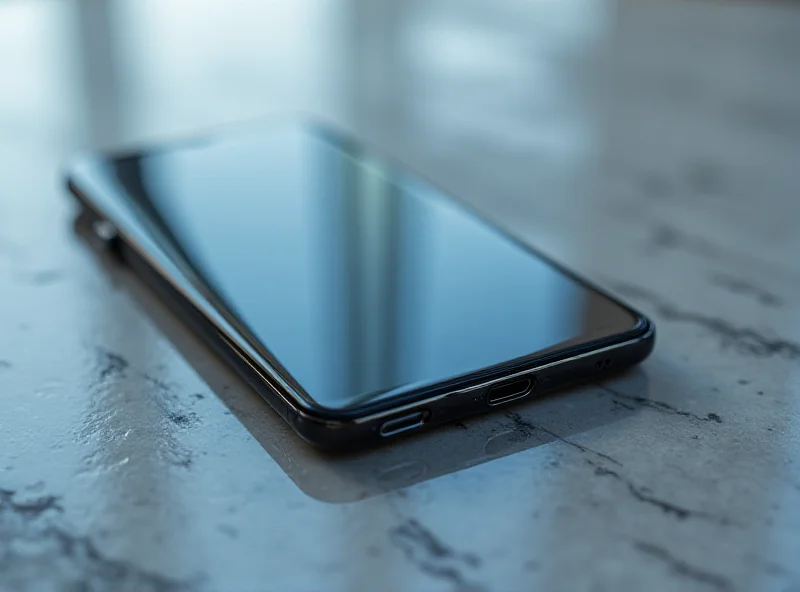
(357, 298)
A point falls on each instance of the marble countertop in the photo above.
(652, 146)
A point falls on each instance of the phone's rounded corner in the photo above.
(327, 430)
(74, 167)
(648, 327)
(647, 337)
(72, 189)
(75, 174)
(68, 177)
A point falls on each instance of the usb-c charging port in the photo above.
(404, 423)
(510, 391)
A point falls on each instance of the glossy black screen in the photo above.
(361, 279)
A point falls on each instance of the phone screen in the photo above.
(361, 279)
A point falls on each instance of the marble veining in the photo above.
(652, 146)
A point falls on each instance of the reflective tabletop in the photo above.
(651, 146)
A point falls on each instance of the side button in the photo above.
(107, 237)
(106, 232)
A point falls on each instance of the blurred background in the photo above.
(572, 119)
(651, 145)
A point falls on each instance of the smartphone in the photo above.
(357, 298)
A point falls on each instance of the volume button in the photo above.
(106, 233)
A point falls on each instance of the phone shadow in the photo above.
(349, 477)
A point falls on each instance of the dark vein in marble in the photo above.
(433, 557)
(659, 406)
(42, 278)
(54, 558)
(742, 287)
(110, 364)
(777, 570)
(664, 237)
(684, 569)
(644, 495)
(414, 531)
(168, 399)
(527, 429)
(75, 563)
(668, 238)
(745, 341)
(158, 384)
(623, 405)
(114, 364)
(183, 420)
(28, 509)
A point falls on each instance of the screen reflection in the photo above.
(360, 279)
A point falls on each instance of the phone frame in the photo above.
(353, 427)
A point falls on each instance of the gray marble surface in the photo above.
(652, 145)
